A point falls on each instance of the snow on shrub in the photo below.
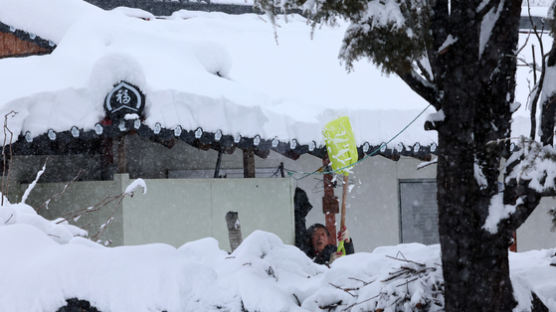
(397, 278)
(59, 230)
(47, 262)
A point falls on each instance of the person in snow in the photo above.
(322, 252)
(314, 242)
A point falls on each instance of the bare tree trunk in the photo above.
(549, 106)
(475, 263)
(477, 81)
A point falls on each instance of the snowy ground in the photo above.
(46, 262)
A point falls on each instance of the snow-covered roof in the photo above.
(47, 19)
(234, 73)
(536, 10)
(208, 70)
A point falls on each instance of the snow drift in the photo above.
(46, 262)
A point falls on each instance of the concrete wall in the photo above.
(79, 196)
(373, 205)
(176, 211)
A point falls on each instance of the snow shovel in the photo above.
(342, 153)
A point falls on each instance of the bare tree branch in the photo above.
(538, 85)
(5, 179)
(548, 106)
(56, 196)
(530, 199)
(424, 72)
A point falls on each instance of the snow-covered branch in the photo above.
(33, 184)
(5, 177)
(533, 164)
(530, 174)
(130, 191)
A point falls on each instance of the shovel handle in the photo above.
(344, 198)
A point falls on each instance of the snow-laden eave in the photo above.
(247, 128)
(48, 19)
(183, 69)
(27, 36)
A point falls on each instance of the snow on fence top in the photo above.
(199, 70)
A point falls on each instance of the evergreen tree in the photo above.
(461, 57)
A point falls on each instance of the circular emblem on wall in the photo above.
(124, 99)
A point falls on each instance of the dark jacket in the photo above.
(325, 255)
(302, 208)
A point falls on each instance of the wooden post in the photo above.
(248, 164)
(122, 157)
(513, 247)
(330, 206)
(106, 159)
(218, 164)
(344, 198)
(234, 229)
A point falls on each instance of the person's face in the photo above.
(319, 239)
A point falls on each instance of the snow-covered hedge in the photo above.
(46, 262)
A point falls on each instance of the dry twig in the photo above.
(57, 196)
(5, 179)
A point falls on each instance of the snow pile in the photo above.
(532, 271)
(386, 279)
(59, 230)
(262, 274)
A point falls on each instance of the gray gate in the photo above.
(419, 212)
